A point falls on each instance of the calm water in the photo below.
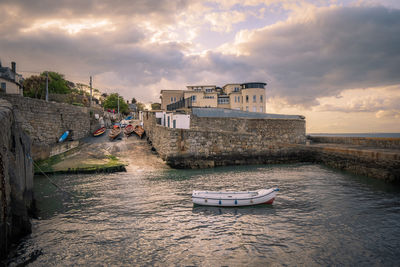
(320, 217)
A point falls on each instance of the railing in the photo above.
(184, 103)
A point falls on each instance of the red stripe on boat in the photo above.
(269, 201)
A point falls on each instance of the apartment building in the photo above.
(170, 96)
(246, 96)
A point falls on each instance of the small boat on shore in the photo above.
(234, 199)
(63, 136)
(114, 132)
(128, 130)
(139, 131)
(99, 131)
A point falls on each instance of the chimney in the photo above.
(13, 67)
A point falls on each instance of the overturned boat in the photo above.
(234, 199)
(114, 132)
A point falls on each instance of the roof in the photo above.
(174, 91)
(230, 113)
(253, 82)
(231, 84)
(201, 86)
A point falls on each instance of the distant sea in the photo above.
(386, 135)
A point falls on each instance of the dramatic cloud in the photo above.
(308, 53)
(340, 48)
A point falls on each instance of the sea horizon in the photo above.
(382, 135)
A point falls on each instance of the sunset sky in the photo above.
(335, 62)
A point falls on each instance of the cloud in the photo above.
(140, 46)
(341, 48)
(363, 100)
(388, 114)
(223, 21)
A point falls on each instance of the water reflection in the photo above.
(249, 210)
(320, 217)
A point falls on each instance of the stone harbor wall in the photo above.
(215, 142)
(390, 143)
(45, 121)
(371, 162)
(231, 141)
(292, 131)
(16, 179)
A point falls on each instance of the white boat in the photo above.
(234, 199)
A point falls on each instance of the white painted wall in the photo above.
(182, 121)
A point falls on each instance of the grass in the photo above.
(46, 165)
(108, 164)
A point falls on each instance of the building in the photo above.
(10, 80)
(170, 96)
(246, 97)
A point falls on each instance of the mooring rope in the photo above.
(54, 183)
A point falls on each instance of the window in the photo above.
(254, 98)
(247, 108)
(247, 99)
(261, 98)
(224, 100)
(209, 90)
(193, 98)
(261, 109)
(209, 97)
(169, 122)
(174, 123)
(172, 99)
(3, 87)
(235, 99)
(236, 89)
(254, 109)
(175, 99)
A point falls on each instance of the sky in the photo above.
(335, 62)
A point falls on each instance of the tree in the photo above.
(111, 102)
(155, 106)
(139, 106)
(35, 86)
(57, 83)
(133, 100)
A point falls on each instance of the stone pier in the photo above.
(16, 179)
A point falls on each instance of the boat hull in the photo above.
(63, 137)
(128, 130)
(114, 133)
(234, 199)
(100, 131)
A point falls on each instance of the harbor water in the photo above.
(146, 217)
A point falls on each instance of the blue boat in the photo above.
(63, 136)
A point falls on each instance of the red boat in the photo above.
(128, 129)
(100, 131)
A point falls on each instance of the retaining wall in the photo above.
(16, 179)
(45, 121)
